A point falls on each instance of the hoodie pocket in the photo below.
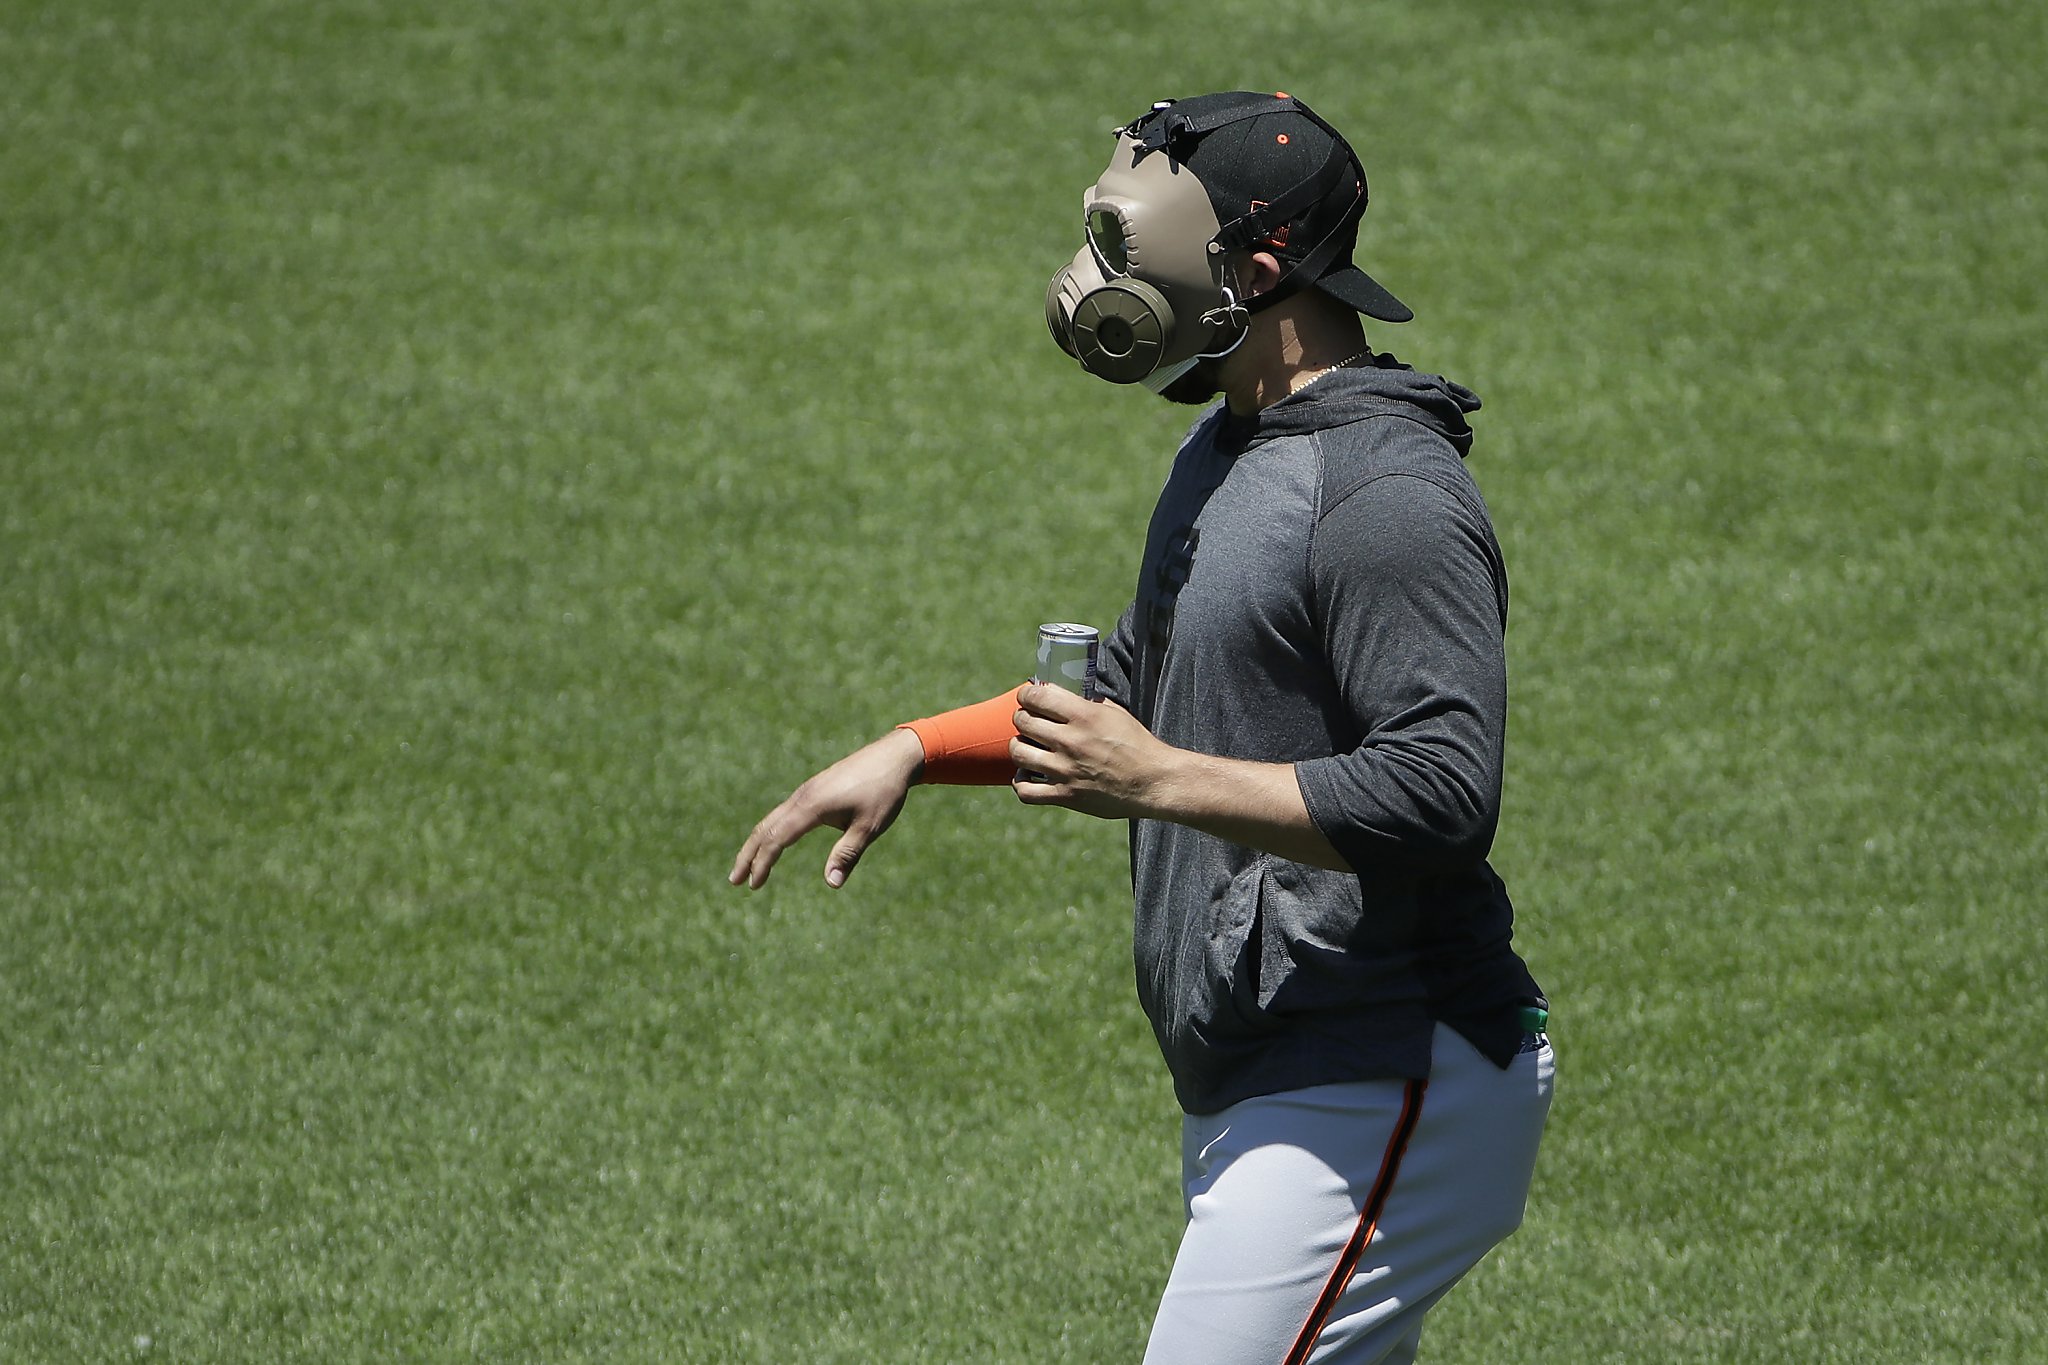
(1235, 948)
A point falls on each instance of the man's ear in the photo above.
(1266, 271)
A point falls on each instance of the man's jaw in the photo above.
(1198, 386)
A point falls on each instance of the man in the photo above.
(1303, 719)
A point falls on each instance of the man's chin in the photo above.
(1196, 387)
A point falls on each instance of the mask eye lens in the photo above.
(1106, 235)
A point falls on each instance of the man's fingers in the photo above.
(764, 861)
(742, 872)
(783, 827)
(1033, 793)
(777, 831)
(839, 863)
(1033, 726)
(1054, 703)
(1039, 774)
(755, 861)
(1034, 758)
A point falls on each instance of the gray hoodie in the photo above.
(1321, 586)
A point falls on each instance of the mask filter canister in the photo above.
(1120, 330)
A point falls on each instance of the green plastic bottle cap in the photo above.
(1534, 1017)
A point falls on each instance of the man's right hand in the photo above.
(861, 795)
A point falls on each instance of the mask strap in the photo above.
(1310, 268)
(1264, 221)
(1232, 312)
(1163, 126)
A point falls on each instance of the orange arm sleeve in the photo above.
(969, 747)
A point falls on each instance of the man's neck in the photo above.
(1290, 348)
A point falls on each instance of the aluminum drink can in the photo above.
(1066, 657)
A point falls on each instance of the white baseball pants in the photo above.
(1324, 1223)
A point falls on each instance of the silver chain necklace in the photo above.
(1330, 369)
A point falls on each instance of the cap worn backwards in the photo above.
(1282, 180)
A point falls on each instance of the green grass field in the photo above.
(460, 463)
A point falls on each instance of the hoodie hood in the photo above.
(1377, 386)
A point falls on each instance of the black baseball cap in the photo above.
(1281, 180)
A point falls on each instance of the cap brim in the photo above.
(1351, 286)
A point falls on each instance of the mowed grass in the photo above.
(460, 464)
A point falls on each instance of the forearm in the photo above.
(907, 748)
(1097, 758)
(969, 746)
(1258, 805)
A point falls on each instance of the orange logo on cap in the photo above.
(1279, 238)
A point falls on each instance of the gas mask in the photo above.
(1154, 289)
(1148, 294)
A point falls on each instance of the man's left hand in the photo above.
(1090, 756)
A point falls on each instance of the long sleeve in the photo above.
(1410, 595)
